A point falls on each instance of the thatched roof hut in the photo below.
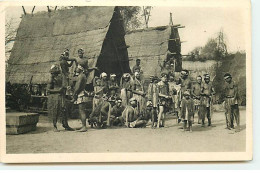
(41, 39)
(151, 45)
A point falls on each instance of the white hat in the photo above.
(103, 74)
(112, 75)
(132, 99)
(80, 67)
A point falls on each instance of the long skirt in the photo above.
(55, 107)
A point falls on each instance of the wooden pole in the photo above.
(55, 8)
(24, 10)
(171, 22)
(33, 9)
(49, 10)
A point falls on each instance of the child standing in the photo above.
(187, 111)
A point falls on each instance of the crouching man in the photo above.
(116, 113)
(131, 115)
(100, 115)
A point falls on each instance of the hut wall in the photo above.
(150, 45)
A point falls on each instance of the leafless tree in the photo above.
(10, 31)
(146, 14)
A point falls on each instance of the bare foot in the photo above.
(69, 129)
(55, 129)
(83, 129)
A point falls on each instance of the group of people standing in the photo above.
(125, 102)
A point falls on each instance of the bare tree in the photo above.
(130, 17)
(10, 31)
(146, 14)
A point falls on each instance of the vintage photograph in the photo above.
(126, 79)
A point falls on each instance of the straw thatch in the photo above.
(151, 46)
(43, 37)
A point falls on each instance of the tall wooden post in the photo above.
(24, 10)
(33, 9)
(171, 22)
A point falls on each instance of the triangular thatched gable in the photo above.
(151, 46)
(43, 37)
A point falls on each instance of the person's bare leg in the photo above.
(190, 126)
(159, 116)
(163, 119)
(83, 117)
(184, 125)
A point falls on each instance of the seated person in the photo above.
(116, 113)
(131, 115)
(99, 115)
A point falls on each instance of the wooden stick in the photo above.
(33, 9)
(24, 10)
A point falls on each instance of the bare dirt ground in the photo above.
(115, 139)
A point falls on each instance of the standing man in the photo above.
(152, 95)
(163, 93)
(185, 83)
(80, 96)
(64, 58)
(137, 67)
(104, 82)
(187, 111)
(81, 61)
(231, 102)
(126, 88)
(113, 85)
(207, 91)
(98, 92)
(56, 98)
(195, 92)
(138, 92)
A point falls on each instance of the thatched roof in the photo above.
(151, 46)
(43, 37)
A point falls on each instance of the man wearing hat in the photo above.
(56, 98)
(231, 102)
(195, 92)
(126, 88)
(113, 85)
(163, 93)
(116, 113)
(207, 91)
(187, 111)
(104, 81)
(98, 92)
(132, 116)
(138, 92)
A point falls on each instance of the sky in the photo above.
(200, 23)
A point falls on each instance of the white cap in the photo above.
(103, 74)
